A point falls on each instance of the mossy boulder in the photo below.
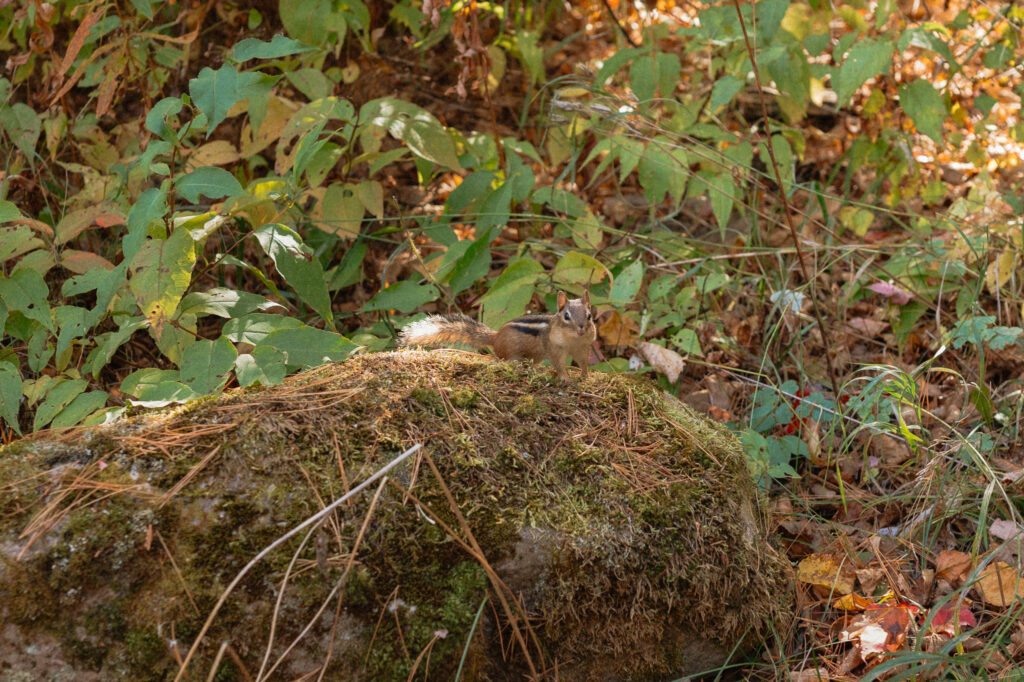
(598, 528)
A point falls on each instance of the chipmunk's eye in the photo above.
(588, 317)
(566, 315)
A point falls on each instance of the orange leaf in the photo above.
(879, 630)
(619, 330)
(80, 262)
(951, 565)
(77, 40)
(105, 92)
(853, 602)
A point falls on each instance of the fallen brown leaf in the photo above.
(665, 361)
(999, 584)
(952, 566)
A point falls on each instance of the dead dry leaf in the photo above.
(827, 570)
(999, 584)
(665, 361)
(944, 622)
(879, 630)
(1004, 530)
(853, 602)
(867, 326)
(952, 566)
(618, 330)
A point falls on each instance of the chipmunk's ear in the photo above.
(562, 299)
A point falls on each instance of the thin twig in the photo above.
(785, 207)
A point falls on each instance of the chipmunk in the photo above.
(568, 333)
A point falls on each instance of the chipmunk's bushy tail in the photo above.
(438, 330)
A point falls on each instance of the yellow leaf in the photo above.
(827, 570)
(999, 270)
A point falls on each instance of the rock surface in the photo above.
(599, 527)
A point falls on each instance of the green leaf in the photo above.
(56, 399)
(143, 7)
(22, 125)
(404, 297)
(308, 347)
(265, 366)
(371, 195)
(511, 292)
(210, 181)
(108, 343)
(925, 107)
(655, 174)
(627, 283)
(340, 211)
(349, 270)
(156, 387)
(305, 19)
(278, 46)
(616, 61)
(474, 264)
(575, 268)
(39, 350)
(416, 127)
(161, 272)
(9, 212)
(26, 292)
(310, 82)
(769, 17)
(73, 323)
(724, 90)
(255, 327)
(997, 56)
(16, 240)
(866, 59)
(667, 67)
(78, 409)
(475, 185)
(300, 269)
(641, 78)
(151, 205)
(10, 395)
(228, 260)
(215, 92)
(156, 119)
(205, 365)
(220, 302)
(721, 194)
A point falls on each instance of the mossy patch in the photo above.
(644, 515)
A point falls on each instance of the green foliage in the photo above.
(983, 331)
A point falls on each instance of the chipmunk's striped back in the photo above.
(567, 334)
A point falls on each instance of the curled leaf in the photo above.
(665, 361)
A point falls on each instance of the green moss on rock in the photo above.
(628, 527)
